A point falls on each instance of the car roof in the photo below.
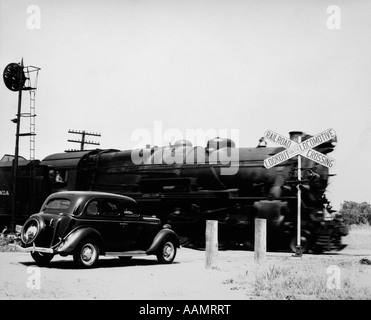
(86, 195)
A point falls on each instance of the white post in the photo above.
(296, 136)
(299, 199)
(211, 244)
(260, 243)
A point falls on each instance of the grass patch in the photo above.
(311, 280)
(6, 245)
(359, 237)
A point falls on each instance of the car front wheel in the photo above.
(166, 252)
(87, 254)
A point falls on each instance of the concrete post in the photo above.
(211, 244)
(260, 247)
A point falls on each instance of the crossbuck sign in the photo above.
(303, 148)
(299, 148)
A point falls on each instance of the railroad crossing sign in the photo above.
(302, 148)
(299, 148)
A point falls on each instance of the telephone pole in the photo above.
(83, 140)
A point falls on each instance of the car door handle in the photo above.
(123, 224)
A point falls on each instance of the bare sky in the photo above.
(116, 66)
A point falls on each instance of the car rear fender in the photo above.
(73, 239)
(163, 234)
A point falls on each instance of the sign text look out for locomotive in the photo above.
(303, 148)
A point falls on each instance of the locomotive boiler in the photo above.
(186, 185)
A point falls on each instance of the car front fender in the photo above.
(72, 240)
(161, 236)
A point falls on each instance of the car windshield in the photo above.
(57, 206)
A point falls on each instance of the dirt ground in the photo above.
(233, 277)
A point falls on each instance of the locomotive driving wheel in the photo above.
(304, 242)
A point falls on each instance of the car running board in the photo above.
(127, 253)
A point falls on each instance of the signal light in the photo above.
(14, 77)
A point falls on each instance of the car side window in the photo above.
(92, 208)
(109, 208)
(129, 209)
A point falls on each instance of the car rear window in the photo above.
(57, 206)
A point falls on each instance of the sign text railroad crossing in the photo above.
(304, 148)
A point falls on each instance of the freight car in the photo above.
(33, 186)
(186, 185)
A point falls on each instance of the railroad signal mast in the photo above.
(15, 76)
(83, 140)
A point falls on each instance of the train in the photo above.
(185, 185)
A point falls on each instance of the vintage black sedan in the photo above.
(87, 224)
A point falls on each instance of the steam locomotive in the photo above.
(186, 185)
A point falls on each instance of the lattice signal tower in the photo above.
(32, 75)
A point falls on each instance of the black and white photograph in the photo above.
(183, 156)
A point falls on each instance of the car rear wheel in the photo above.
(41, 258)
(87, 254)
(167, 252)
